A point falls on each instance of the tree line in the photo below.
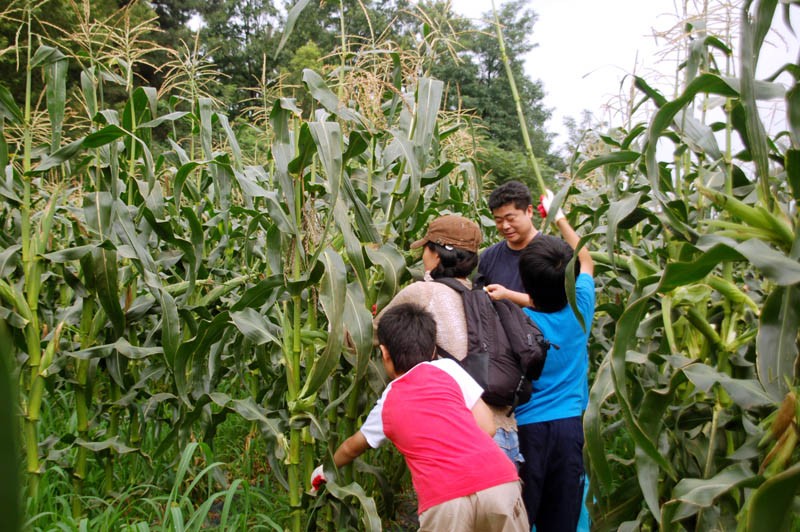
(237, 41)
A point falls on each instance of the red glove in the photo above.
(317, 479)
(546, 200)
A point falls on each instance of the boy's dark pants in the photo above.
(552, 473)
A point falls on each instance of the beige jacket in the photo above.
(451, 326)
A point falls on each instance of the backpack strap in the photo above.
(453, 283)
(517, 393)
(444, 353)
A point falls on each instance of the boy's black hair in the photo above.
(542, 267)
(453, 262)
(510, 192)
(409, 333)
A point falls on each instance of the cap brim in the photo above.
(419, 243)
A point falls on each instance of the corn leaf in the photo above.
(111, 443)
(763, 20)
(615, 158)
(256, 296)
(333, 292)
(328, 138)
(617, 212)
(602, 389)
(776, 343)
(363, 219)
(776, 266)
(59, 156)
(370, 517)
(253, 326)
(393, 265)
(752, 35)
(429, 98)
(403, 146)
(208, 332)
(8, 107)
(770, 505)
(320, 92)
(45, 55)
(170, 325)
(353, 246)
(56, 92)
(232, 142)
(747, 393)
(358, 324)
(627, 325)
(9, 259)
(291, 19)
(283, 153)
(701, 493)
(170, 117)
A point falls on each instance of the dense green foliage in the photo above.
(186, 294)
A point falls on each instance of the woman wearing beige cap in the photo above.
(451, 250)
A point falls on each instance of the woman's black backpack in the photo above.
(505, 349)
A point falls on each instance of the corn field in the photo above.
(162, 281)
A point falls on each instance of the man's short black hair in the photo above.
(542, 267)
(453, 262)
(510, 192)
(409, 333)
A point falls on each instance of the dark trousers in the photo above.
(552, 473)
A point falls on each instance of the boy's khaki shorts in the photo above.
(496, 509)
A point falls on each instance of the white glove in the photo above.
(546, 200)
(317, 479)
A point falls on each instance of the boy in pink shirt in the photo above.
(432, 412)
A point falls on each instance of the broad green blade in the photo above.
(747, 393)
(411, 193)
(353, 246)
(320, 92)
(283, 152)
(294, 13)
(170, 325)
(106, 284)
(253, 326)
(208, 333)
(627, 325)
(370, 517)
(394, 267)
(429, 98)
(358, 324)
(703, 492)
(602, 389)
(618, 211)
(8, 107)
(232, 142)
(115, 443)
(615, 158)
(59, 156)
(333, 291)
(776, 343)
(770, 506)
(56, 91)
(328, 138)
(204, 107)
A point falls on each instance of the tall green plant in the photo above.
(700, 338)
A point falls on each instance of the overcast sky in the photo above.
(586, 47)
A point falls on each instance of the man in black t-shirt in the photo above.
(498, 270)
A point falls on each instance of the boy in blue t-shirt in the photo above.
(550, 425)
